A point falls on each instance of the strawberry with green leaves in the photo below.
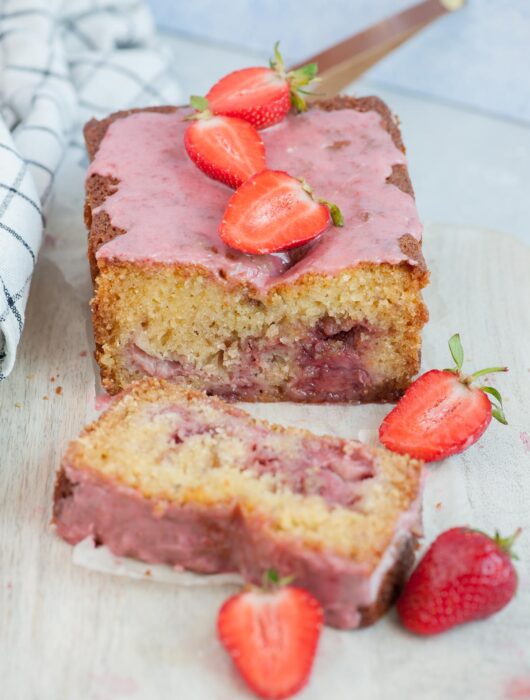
(272, 634)
(224, 148)
(274, 211)
(262, 96)
(442, 412)
(464, 576)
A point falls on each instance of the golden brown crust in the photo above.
(411, 247)
(100, 226)
(98, 187)
(392, 584)
(364, 104)
(62, 491)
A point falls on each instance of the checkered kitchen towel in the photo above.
(61, 62)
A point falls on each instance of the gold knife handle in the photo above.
(342, 63)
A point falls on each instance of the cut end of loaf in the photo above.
(352, 337)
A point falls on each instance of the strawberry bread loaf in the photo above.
(338, 319)
(169, 475)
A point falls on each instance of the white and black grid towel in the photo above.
(61, 62)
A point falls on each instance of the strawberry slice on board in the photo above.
(273, 211)
(465, 575)
(272, 635)
(224, 148)
(442, 413)
(262, 96)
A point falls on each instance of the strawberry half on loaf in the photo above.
(337, 317)
(168, 475)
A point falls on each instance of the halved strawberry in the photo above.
(272, 636)
(225, 148)
(441, 414)
(274, 211)
(262, 96)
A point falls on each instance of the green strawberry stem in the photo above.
(277, 63)
(456, 350)
(201, 107)
(297, 79)
(271, 580)
(457, 353)
(497, 410)
(489, 370)
(506, 543)
(334, 211)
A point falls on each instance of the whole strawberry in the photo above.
(442, 412)
(262, 96)
(272, 634)
(464, 576)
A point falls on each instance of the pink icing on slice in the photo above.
(103, 401)
(171, 211)
(219, 539)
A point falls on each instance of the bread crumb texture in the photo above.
(134, 444)
(184, 314)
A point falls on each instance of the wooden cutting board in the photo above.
(67, 632)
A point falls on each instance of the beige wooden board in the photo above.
(68, 633)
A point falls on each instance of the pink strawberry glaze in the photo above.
(103, 401)
(220, 539)
(171, 211)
